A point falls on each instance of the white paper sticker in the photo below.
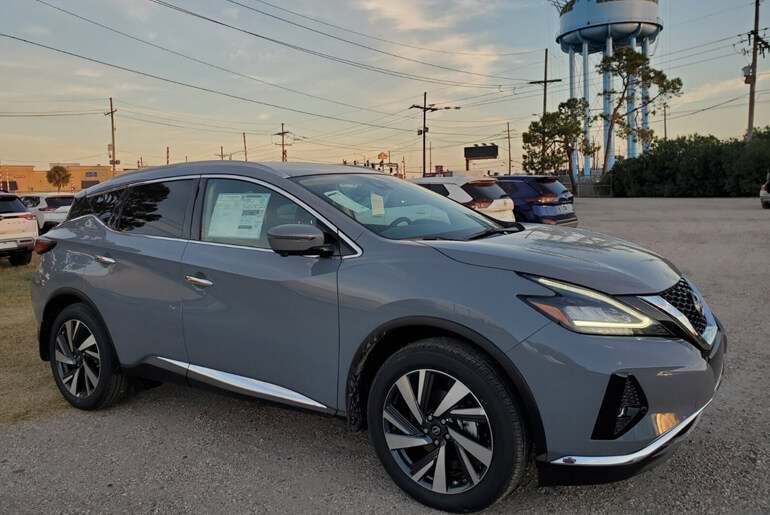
(238, 215)
(378, 205)
(345, 201)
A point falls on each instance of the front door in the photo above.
(256, 322)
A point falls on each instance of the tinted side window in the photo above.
(509, 187)
(31, 201)
(104, 206)
(80, 206)
(240, 213)
(156, 209)
(437, 188)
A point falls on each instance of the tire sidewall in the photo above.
(86, 316)
(505, 436)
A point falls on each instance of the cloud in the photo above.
(406, 15)
(714, 90)
(88, 72)
(37, 30)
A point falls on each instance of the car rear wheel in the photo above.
(765, 205)
(20, 259)
(83, 361)
(446, 427)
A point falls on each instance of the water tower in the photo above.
(592, 26)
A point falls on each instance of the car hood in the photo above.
(593, 260)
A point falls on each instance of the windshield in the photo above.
(396, 209)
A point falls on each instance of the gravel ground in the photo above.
(174, 450)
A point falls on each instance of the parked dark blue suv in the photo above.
(540, 199)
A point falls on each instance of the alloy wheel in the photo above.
(78, 361)
(437, 431)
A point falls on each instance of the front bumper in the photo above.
(568, 374)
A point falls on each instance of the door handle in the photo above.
(105, 260)
(197, 281)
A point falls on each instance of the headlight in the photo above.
(590, 312)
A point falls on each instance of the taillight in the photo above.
(478, 203)
(42, 245)
(28, 216)
(542, 199)
(764, 187)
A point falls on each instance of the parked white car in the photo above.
(481, 194)
(50, 209)
(764, 194)
(18, 230)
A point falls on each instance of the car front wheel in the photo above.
(446, 427)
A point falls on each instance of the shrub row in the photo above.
(695, 166)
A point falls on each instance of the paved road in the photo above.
(174, 450)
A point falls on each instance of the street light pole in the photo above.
(425, 107)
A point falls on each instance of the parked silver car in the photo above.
(467, 347)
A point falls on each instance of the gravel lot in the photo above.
(175, 450)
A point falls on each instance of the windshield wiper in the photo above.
(491, 232)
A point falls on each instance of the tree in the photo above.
(630, 67)
(58, 176)
(550, 141)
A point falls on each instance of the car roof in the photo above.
(248, 169)
(450, 180)
(524, 177)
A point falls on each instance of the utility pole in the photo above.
(113, 156)
(425, 107)
(665, 122)
(545, 83)
(430, 153)
(758, 44)
(245, 152)
(221, 153)
(510, 161)
(283, 134)
(167, 155)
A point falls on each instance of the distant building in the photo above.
(24, 178)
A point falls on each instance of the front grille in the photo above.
(682, 298)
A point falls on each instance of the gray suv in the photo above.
(466, 346)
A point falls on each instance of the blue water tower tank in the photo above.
(590, 26)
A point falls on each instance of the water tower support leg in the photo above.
(573, 156)
(645, 98)
(587, 119)
(609, 143)
(631, 106)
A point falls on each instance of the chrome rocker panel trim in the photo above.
(628, 459)
(246, 385)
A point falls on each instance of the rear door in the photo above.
(256, 322)
(131, 258)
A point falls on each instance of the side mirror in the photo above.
(298, 240)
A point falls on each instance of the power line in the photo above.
(205, 63)
(395, 42)
(368, 47)
(192, 86)
(355, 64)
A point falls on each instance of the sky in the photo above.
(340, 75)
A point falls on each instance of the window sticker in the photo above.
(238, 215)
(345, 201)
(378, 205)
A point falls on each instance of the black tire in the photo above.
(765, 205)
(76, 360)
(444, 359)
(20, 259)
